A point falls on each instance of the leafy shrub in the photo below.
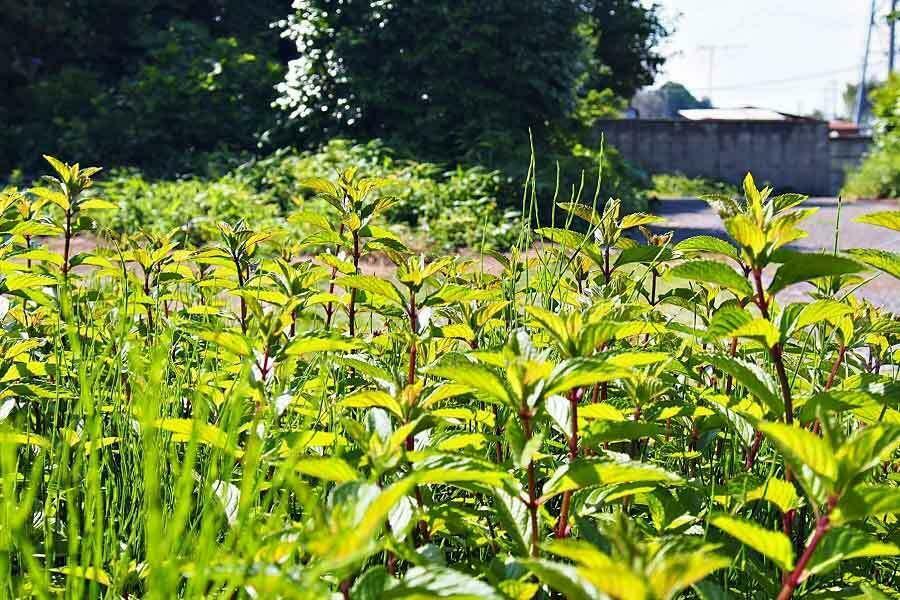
(879, 174)
(677, 185)
(446, 208)
(194, 206)
(602, 418)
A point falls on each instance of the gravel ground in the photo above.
(690, 216)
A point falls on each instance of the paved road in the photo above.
(689, 216)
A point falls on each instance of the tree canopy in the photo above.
(443, 77)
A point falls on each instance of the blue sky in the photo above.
(790, 55)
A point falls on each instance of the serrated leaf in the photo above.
(772, 544)
(371, 398)
(586, 473)
(706, 244)
(716, 273)
(311, 343)
(373, 285)
(863, 501)
(478, 377)
(806, 267)
(889, 262)
(328, 468)
(887, 218)
(803, 450)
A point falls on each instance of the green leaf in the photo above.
(746, 233)
(732, 321)
(716, 273)
(476, 376)
(772, 544)
(678, 571)
(97, 204)
(227, 340)
(321, 343)
(373, 285)
(580, 372)
(827, 310)
(635, 219)
(887, 218)
(563, 578)
(847, 543)
(803, 451)
(26, 281)
(776, 491)
(599, 569)
(643, 254)
(867, 449)
(706, 244)
(863, 501)
(436, 581)
(805, 267)
(889, 262)
(749, 375)
(458, 469)
(373, 398)
(328, 468)
(585, 473)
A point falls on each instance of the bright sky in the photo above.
(789, 55)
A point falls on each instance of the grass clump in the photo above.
(262, 415)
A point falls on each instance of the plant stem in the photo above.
(67, 245)
(775, 351)
(329, 308)
(351, 310)
(562, 526)
(793, 579)
(413, 329)
(836, 366)
(532, 487)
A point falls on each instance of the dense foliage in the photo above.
(463, 79)
(589, 416)
(154, 83)
(879, 175)
(444, 208)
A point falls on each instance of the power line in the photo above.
(807, 77)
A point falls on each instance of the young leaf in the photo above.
(586, 473)
(772, 544)
(716, 273)
(805, 267)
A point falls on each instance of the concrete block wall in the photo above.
(792, 155)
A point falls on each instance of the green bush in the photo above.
(195, 206)
(879, 174)
(444, 209)
(678, 185)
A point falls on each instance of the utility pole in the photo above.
(892, 43)
(861, 88)
(711, 50)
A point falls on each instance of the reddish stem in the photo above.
(793, 579)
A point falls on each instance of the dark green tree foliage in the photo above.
(437, 76)
(624, 37)
(135, 82)
(446, 79)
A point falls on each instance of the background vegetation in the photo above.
(879, 175)
(175, 96)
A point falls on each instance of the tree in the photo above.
(444, 78)
(624, 38)
(665, 102)
(139, 82)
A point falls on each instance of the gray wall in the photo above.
(791, 155)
